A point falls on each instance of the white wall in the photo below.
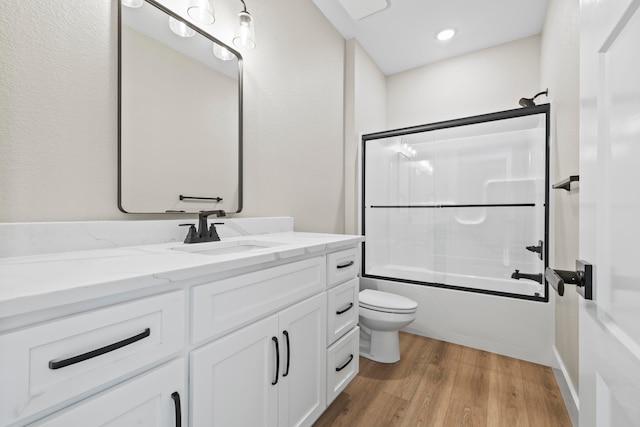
(58, 103)
(489, 80)
(365, 110)
(560, 73)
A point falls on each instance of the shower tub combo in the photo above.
(456, 217)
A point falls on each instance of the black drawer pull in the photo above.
(344, 310)
(340, 368)
(275, 340)
(178, 409)
(57, 364)
(286, 334)
(346, 264)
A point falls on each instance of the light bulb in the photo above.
(132, 3)
(222, 52)
(201, 11)
(180, 28)
(245, 33)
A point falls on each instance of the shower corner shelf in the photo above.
(565, 184)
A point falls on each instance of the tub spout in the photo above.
(535, 277)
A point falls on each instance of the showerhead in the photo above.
(529, 102)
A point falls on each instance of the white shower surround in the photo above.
(513, 327)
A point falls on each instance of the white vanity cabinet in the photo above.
(270, 373)
(343, 334)
(264, 341)
(154, 399)
(44, 365)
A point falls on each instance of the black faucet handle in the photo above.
(192, 234)
(213, 233)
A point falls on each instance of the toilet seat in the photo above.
(386, 302)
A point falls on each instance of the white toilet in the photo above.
(382, 315)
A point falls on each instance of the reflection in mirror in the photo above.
(180, 142)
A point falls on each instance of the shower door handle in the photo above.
(582, 278)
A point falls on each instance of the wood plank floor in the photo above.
(442, 384)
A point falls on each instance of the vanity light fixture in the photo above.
(201, 11)
(245, 34)
(222, 52)
(180, 28)
(446, 34)
(132, 3)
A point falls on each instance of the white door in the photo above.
(154, 399)
(610, 212)
(234, 380)
(303, 358)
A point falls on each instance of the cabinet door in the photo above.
(232, 379)
(303, 331)
(154, 399)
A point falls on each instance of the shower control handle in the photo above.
(537, 249)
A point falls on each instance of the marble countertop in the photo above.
(36, 282)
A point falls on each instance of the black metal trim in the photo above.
(500, 115)
(459, 288)
(238, 55)
(495, 205)
(177, 408)
(482, 118)
(57, 364)
(344, 365)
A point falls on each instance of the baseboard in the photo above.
(568, 391)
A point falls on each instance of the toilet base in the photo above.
(380, 346)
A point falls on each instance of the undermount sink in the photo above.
(224, 248)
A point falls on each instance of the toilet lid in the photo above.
(384, 301)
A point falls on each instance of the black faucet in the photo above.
(535, 277)
(204, 233)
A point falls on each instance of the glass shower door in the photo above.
(456, 204)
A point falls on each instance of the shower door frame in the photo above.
(483, 118)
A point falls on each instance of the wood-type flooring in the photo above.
(442, 384)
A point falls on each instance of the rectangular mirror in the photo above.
(180, 116)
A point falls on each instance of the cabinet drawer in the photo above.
(342, 308)
(341, 266)
(229, 304)
(343, 363)
(156, 398)
(53, 362)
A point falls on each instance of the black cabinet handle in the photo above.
(345, 265)
(57, 364)
(178, 410)
(275, 340)
(344, 310)
(286, 334)
(340, 368)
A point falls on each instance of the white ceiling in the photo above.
(402, 35)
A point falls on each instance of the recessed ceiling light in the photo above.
(446, 34)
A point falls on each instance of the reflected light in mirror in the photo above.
(132, 3)
(222, 52)
(201, 11)
(245, 33)
(180, 28)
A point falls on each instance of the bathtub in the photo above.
(513, 327)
